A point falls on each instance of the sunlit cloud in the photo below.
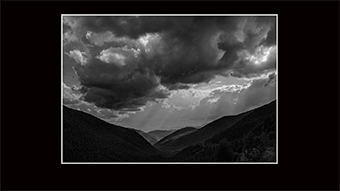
(213, 100)
(78, 56)
(111, 56)
(191, 98)
(261, 54)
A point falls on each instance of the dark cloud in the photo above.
(271, 79)
(181, 51)
(195, 62)
(229, 42)
(271, 38)
(132, 91)
(243, 68)
(178, 86)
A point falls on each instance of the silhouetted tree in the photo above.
(224, 152)
(248, 140)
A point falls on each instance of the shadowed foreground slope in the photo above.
(89, 139)
(252, 139)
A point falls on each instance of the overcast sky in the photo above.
(168, 72)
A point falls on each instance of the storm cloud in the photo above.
(126, 62)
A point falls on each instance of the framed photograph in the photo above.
(169, 89)
(165, 95)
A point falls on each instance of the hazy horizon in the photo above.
(170, 128)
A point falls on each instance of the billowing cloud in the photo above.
(69, 37)
(127, 62)
(111, 56)
(69, 96)
(107, 90)
(78, 56)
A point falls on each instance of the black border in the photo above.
(30, 121)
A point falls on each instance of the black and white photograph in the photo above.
(169, 95)
(169, 89)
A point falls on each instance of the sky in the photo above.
(168, 72)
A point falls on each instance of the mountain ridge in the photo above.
(87, 138)
(208, 131)
(179, 132)
(154, 135)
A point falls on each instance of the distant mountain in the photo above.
(177, 134)
(89, 139)
(199, 135)
(154, 136)
(159, 134)
(146, 136)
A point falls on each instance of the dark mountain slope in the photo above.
(201, 134)
(89, 139)
(252, 138)
(256, 118)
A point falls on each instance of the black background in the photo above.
(308, 61)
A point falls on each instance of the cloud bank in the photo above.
(126, 62)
